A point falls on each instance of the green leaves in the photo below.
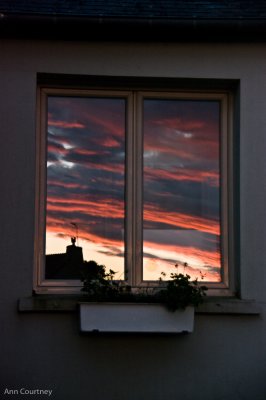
(181, 292)
(178, 293)
(98, 283)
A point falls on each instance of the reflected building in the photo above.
(66, 265)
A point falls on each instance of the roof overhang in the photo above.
(131, 29)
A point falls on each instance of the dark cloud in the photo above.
(192, 198)
(182, 237)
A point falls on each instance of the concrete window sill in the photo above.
(70, 303)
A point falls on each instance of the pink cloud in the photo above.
(191, 140)
(57, 226)
(182, 174)
(104, 208)
(65, 124)
(155, 214)
(206, 257)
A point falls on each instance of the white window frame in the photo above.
(133, 178)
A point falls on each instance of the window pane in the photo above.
(85, 184)
(181, 196)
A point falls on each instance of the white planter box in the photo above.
(134, 318)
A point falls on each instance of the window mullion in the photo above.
(129, 223)
(137, 190)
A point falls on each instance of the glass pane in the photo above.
(181, 188)
(85, 185)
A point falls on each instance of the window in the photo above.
(133, 178)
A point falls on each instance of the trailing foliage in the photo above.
(97, 283)
(181, 292)
(177, 293)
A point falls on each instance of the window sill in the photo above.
(70, 303)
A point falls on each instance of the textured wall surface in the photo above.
(225, 358)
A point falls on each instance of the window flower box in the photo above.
(134, 318)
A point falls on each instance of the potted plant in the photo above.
(181, 292)
(113, 306)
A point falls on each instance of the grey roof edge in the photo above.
(139, 8)
(128, 28)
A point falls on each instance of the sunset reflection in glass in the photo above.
(86, 185)
(85, 182)
(181, 188)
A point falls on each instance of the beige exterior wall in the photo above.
(225, 358)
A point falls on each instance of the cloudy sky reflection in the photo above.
(85, 177)
(86, 182)
(181, 187)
